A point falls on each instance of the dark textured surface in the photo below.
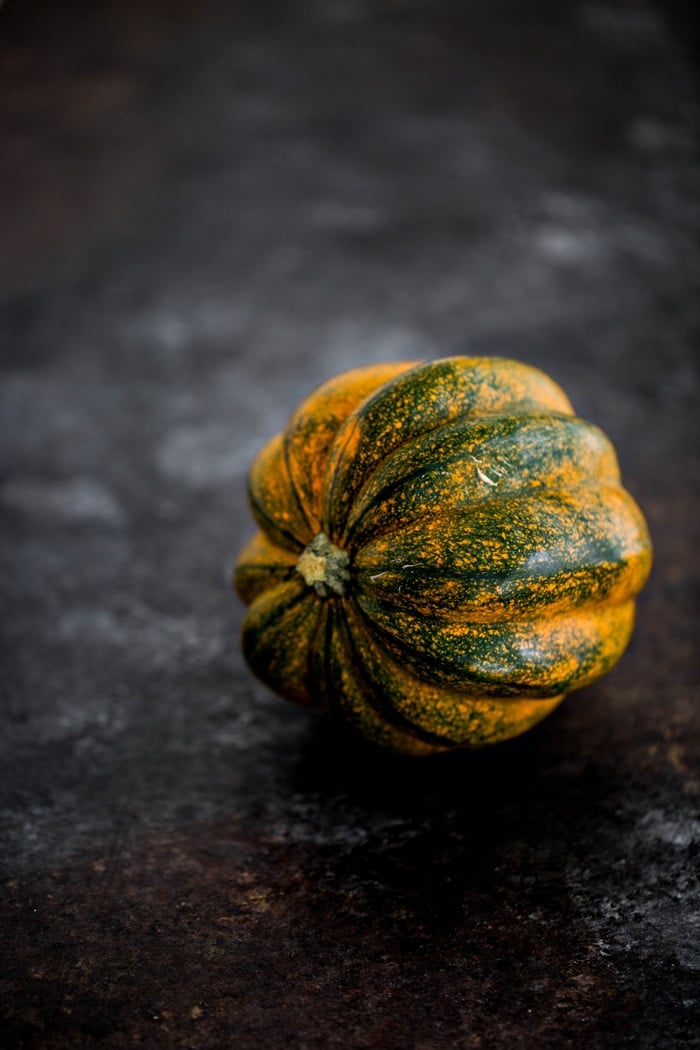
(207, 209)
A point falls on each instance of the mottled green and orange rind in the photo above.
(519, 453)
(418, 401)
(285, 480)
(312, 430)
(261, 565)
(280, 635)
(379, 690)
(494, 555)
(519, 556)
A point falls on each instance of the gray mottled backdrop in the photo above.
(208, 209)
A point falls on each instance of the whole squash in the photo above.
(445, 551)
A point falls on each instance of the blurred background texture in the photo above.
(206, 209)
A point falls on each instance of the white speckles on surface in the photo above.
(357, 341)
(204, 455)
(626, 916)
(142, 631)
(673, 829)
(574, 230)
(563, 246)
(73, 499)
(175, 325)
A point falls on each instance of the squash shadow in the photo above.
(336, 761)
(433, 837)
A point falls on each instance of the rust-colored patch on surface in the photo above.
(223, 936)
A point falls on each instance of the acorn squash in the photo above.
(444, 552)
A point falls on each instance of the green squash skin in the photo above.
(493, 554)
(521, 556)
(439, 717)
(420, 401)
(470, 461)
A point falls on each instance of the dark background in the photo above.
(208, 208)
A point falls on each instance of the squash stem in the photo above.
(324, 567)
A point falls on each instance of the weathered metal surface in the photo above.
(206, 210)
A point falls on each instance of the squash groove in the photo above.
(445, 551)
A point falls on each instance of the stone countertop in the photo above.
(207, 210)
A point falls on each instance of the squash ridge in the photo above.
(471, 656)
(445, 549)
(435, 376)
(458, 459)
(292, 483)
(378, 697)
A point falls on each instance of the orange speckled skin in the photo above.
(491, 554)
